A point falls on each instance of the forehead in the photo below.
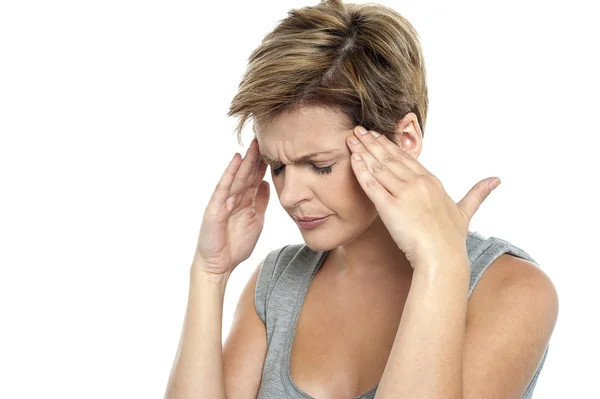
(306, 130)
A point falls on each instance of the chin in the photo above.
(318, 241)
(324, 238)
(319, 246)
(321, 238)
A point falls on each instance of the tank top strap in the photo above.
(271, 270)
(483, 251)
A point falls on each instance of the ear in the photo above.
(408, 135)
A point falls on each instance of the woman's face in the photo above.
(323, 185)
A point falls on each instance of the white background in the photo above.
(114, 132)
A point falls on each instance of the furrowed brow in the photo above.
(302, 159)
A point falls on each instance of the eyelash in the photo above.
(320, 171)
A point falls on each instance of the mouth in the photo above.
(310, 222)
(309, 218)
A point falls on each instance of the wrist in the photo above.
(453, 258)
(199, 274)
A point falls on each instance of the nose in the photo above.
(294, 189)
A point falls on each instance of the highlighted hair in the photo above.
(363, 60)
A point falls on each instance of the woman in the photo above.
(390, 295)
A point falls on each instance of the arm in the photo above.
(231, 225)
(512, 312)
(198, 367)
(426, 357)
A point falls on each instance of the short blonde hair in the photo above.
(364, 60)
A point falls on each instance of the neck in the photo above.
(373, 253)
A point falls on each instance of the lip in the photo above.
(312, 223)
(309, 218)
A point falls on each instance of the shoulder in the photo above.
(499, 267)
(511, 315)
(517, 283)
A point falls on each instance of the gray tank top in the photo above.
(281, 288)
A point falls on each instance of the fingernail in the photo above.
(374, 133)
(361, 130)
(495, 183)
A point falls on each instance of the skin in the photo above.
(367, 328)
(360, 244)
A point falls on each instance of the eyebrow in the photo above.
(303, 159)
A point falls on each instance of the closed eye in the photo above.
(323, 170)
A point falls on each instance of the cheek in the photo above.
(353, 194)
(345, 191)
(349, 185)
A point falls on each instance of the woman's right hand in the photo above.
(234, 216)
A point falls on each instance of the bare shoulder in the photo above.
(512, 311)
(245, 348)
(510, 277)
(512, 272)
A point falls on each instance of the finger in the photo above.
(384, 172)
(259, 166)
(379, 145)
(370, 185)
(377, 153)
(475, 197)
(246, 198)
(262, 197)
(253, 174)
(242, 179)
(260, 174)
(221, 192)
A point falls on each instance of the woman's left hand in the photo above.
(412, 203)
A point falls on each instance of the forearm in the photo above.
(426, 358)
(198, 367)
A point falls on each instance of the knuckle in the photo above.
(423, 182)
(437, 181)
(370, 183)
(377, 168)
(388, 158)
(401, 154)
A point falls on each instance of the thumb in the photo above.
(262, 198)
(475, 197)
